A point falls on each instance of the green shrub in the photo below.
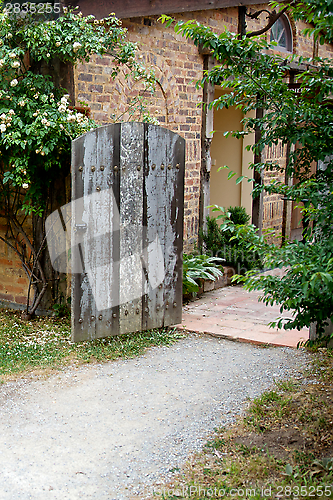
(238, 215)
(220, 241)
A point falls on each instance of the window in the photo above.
(281, 34)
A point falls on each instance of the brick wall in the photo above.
(177, 65)
(273, 204)
(13, 281)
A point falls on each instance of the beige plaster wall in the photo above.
(231, 152)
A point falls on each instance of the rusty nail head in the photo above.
(175, 304)
(137, 311)
(92, 318)
(169, 166)
(146, 309)
(160, 286)
(80, 320)
(177, 166)
(138, 167)
(166, 306)
(126, 312)
(114, 315)
(98, 188)
(162, 166)
(81, 169)
(102, 167)
(153, 166)
(157, 308)
(115, 168)
(93, 168)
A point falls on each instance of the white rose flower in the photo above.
(48, 54)
(13, 83)
(11, 112)
(76, 46)
(44, 121)
(15, 64)
(62, 108)
(3, 127)
(12, 55)
(3, 117)
(25, 185)
(2, 62)
(58, 44)
(9, 35)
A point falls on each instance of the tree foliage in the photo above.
(256, 81)
(317, 13)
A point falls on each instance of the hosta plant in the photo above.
(199, 267)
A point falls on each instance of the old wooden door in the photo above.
(127, 229)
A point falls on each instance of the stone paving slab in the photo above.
(236, 314)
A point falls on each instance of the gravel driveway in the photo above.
(111, 431)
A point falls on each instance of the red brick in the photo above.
(6, 296)
(6, 262)
(85, 77)
(21, 299)
(103, 98)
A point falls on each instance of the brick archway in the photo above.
(162, 104)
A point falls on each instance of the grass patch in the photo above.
(281, 448)
(45, 343)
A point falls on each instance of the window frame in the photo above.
(288, 35)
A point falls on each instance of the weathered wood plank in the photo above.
(82, 300)
(104, 211)
(115, 175)
(89, 254)
(173, 282)
(155, 189)
(131, 203)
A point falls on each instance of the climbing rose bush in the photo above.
(36, 122)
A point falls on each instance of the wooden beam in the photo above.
(132, 8)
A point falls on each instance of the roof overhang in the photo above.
(142, 8)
